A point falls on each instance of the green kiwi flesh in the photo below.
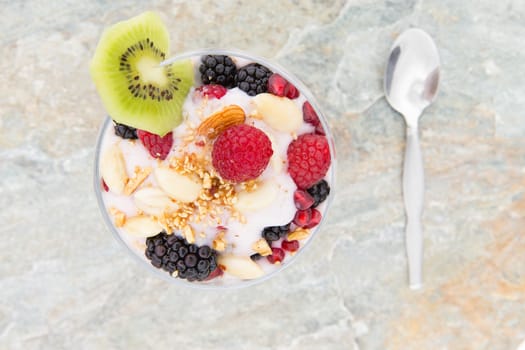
(134, 89)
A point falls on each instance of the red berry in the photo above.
(277, 85)
(302, 217)
(308, 159)
(214, 274)
(309, 114)
(158, 147)
(302, 199)
(104, 185)
(277, 255)
(291, 246)
(315, 219)
(319, 130)
(212, 90)
(291, 91)
(241, 153)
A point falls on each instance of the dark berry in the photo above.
(124, 131)
(273, 233)
(253, 79)
(256, 256)
(218, 69)
(277, 256)
(174, 254)
(319, 192)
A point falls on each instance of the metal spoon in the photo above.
(411, 84)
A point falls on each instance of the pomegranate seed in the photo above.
(212, 90)
(277, 255)
(302, 217)
(291, 91)
(309, 114)
(291, 246)
(319, 129)
(215, 273)
(104, 185)
(277, 85)
(303, 200)
(315, 219)
(200, 143)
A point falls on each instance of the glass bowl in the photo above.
(218, 283)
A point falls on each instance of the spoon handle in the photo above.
(413, 192)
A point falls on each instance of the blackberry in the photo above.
(218, 69)
(256, 257)
(253, 79)
(319, 192)
(274, 233)
(172, 253)
(126, 132)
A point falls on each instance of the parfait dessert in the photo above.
(213, 168)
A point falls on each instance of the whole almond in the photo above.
(113, 169)
(219, 121)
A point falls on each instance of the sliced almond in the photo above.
(153, 201)
(219, 121)
(240, 266)
(137, 179)
(219, 242)
(142, 226)
(177, 186)
(280, 113)
(299, 234)
(113, 169)
(189, 234)
(260, 198)
(262, 247)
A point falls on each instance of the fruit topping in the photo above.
(279, 86)
(277, 256)
(218, 69)
(307, 218)
(302, 199)
(134, 88)
(212, 91)
(309, 114)
(274, 233)
(319, 192)
(221, 120)
(291, 246)
(173, 253)
(240, 266)
(280, 113)
(124, 131)
(308, 159)
(253, 79)
(104, 185)
(241, 153)
(158, 147)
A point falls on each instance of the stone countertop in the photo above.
(65, 283)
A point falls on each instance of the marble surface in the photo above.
(65, 283)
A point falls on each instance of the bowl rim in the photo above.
(275, 67)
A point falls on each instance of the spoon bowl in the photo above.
(411, 84)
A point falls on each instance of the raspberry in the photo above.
(279, 86)
(308, 159)
(302, 199)
(291, 246)
(212, 90)
(309, 114)
(241, 153)
(277, 256)
(158, 147)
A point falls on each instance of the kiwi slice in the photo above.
(135, 90)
